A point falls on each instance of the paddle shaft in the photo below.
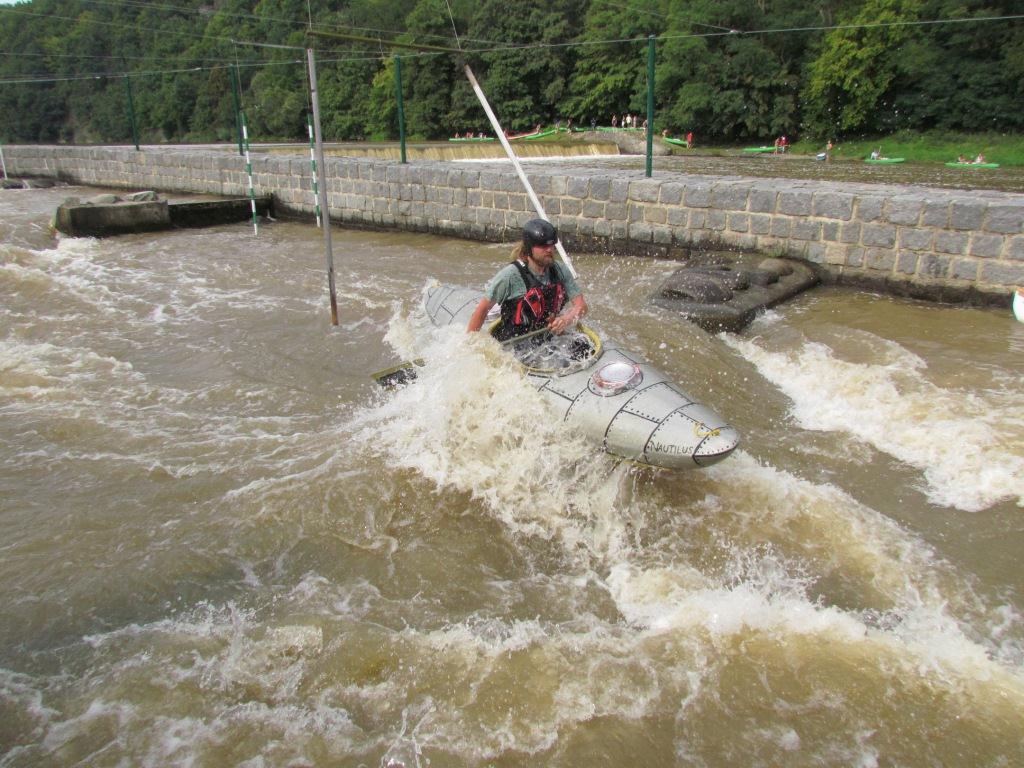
(515, 163)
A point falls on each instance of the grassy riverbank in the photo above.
(935, 147)
(928, 147)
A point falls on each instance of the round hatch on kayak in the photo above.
(615, 377)
(560, 355)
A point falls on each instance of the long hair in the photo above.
(519, 253)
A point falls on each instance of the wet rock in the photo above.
(780, 267)
(695, 287)
(725, 274)
(141, 197)
(764, 277)
(725, 292)
(105, 199)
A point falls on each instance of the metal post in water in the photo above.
(3, 165)
(401, 106)
(650, 103)
(324, 206)
(515, 161)
(248, 169)
(312, 165)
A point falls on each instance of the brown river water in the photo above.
(223, 545)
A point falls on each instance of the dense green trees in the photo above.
(730, 70)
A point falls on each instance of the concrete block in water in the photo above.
(109, 214)
(724, 292)
(209, 213)
(105, 218)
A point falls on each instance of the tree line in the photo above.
(729, 70)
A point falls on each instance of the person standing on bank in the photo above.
(534, 290)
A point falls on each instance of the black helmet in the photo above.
(539, 232)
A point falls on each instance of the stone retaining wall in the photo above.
(933, 243)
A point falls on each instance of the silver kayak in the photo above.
(607, 393)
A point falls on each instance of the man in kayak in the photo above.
(534, 290)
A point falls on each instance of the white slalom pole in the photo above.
(2, 163)
(515, 162)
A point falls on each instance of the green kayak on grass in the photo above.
(972, 165)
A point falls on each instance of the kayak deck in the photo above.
(611, 395)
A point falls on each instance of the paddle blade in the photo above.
(397, 375)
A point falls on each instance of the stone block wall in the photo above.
(937, 243)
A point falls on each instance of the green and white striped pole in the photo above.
(312, 164)
(650, 104)
(248, 169)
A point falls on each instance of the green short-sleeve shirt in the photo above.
(508, 283)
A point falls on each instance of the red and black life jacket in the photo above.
(535, 308)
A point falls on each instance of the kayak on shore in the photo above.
(972, 165)
(537, 135)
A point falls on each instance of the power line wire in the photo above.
(25, 54)
(276, 19)
(673, 17)
(47, 77)
(871, 25)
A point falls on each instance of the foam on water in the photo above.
(257, 669)
(471, 421)
(463, 425)
(440, 574)
(480, 689)
(968, 445)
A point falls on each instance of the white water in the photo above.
(963, 441)
(223, 546)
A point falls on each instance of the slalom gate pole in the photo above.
(312, 165)
(3, 165)
(515, 162)
(401, 106)
(233, 71)
(650, 104)
(325, 206)
(248, 170)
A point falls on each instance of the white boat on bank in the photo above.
(607, 393)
